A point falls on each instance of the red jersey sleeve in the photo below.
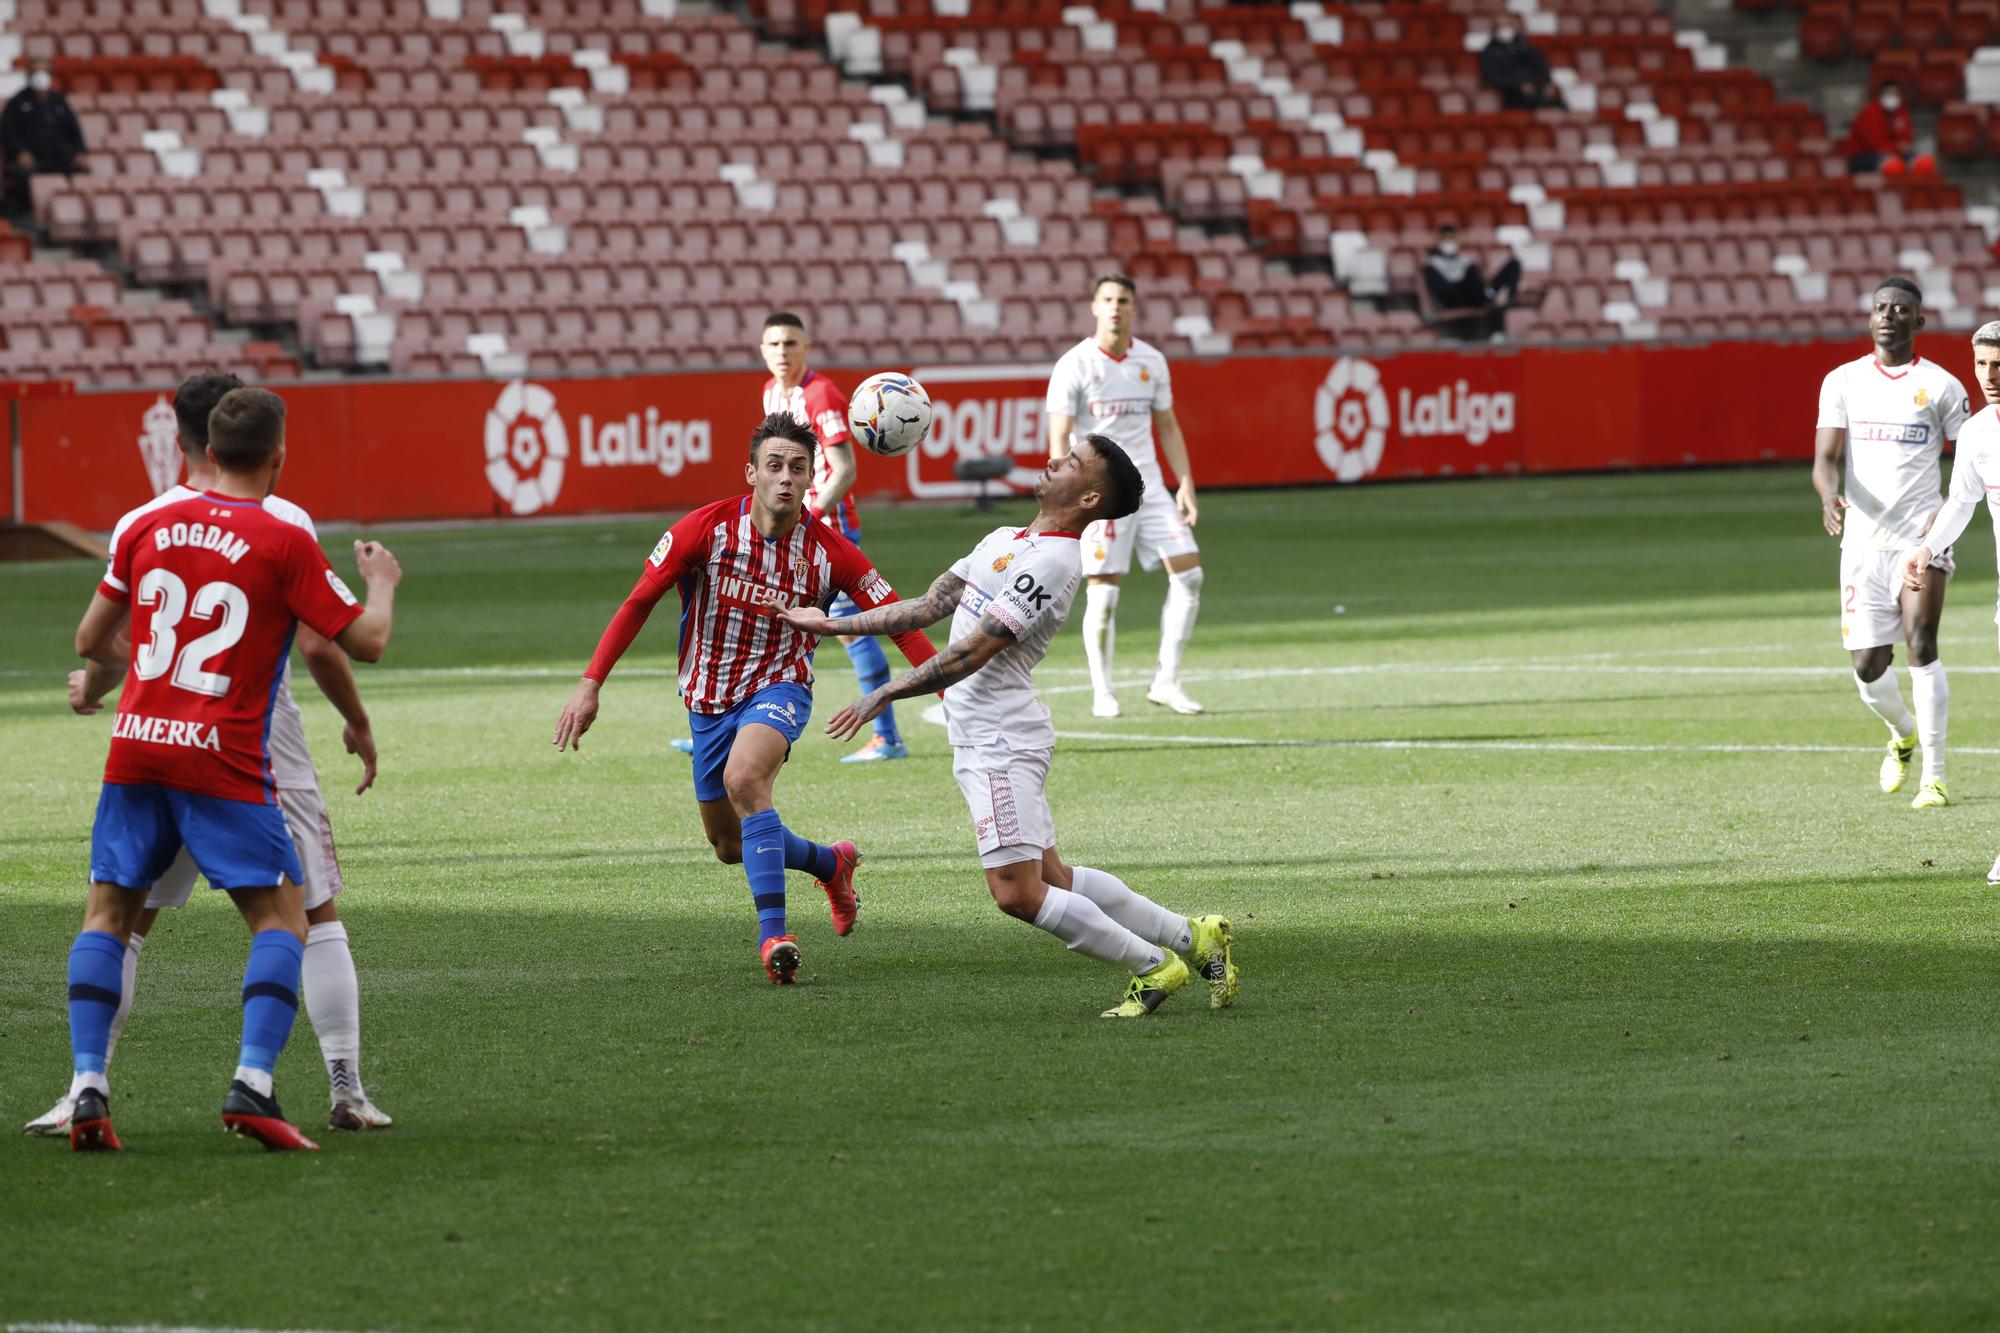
(828, 406)
(682, 548)
(855, 576)
(116, 585)
(315, 594)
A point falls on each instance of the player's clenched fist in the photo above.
(577, 715)
(377, 563)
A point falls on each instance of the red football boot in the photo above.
(781, 959)
(90, 1124)
(841, 896)
(253, 1115)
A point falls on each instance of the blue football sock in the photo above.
(96, 979)
(804, 854)
(764, 867)
(871, 670)
(270, 997)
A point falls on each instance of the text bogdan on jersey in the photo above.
(1456, 411)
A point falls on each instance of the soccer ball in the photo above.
(890, 414)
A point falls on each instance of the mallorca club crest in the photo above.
(1003, 562)
(1923, 398)
(160, 444)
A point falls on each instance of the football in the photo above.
(890, 414)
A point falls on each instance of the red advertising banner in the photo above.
(372, 451)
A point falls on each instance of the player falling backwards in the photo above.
(223, 584)
(1975, 476)
(1117, 385)
(745, 677)
(332, 992)
(1888, 414)
(1007, 599)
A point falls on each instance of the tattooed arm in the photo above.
(959, 659)
(895, 618)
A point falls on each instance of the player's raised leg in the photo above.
(1922, 610)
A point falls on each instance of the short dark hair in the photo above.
(784, 319)
(1897, 282)
(1121, 279)
(245, 429)
(194, 400)
(783, 426)
(1123, 486)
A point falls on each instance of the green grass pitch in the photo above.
(1589, 982)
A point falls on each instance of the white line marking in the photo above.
(71, 1327)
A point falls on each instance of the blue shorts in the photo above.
(235, 844)
(785, 707)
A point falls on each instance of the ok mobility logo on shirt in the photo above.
(1351, 417)
(528, 445)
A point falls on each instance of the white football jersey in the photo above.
(1975, 476)
(1028, 581)
(1896, 422)
(291, 762)
(1116, 397)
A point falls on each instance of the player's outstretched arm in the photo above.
(334, 675)
(890, 618)
(1829, 450)
(959, 659)
(367, 636)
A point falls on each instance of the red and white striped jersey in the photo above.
(732, 581)
(819, 404)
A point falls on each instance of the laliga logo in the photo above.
(526, 447)
(1351, 413)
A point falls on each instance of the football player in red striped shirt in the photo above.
(814, 399)
(746, 677)
(223, 585)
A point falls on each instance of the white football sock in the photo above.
(1134, 911)
(1083, 926)
(333, 1002)
(82, 1081)
(1885, 699)
(132, 947)
(257, 1080)
(1100, 631)
(1177, 621)
(1932, 693)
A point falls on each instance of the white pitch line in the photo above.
(72, 1327)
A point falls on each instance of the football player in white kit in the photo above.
(332, 993)
(1975, 476)
(1116, 385)
(1888, 415)
(1007, 599)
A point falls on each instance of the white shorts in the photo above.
(1871, 596)
(312, 836)
(1010, 811)
(1156, 530)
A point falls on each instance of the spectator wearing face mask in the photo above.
(1881, 139)
(1463, 302)
(39, 134)
(1512, 67)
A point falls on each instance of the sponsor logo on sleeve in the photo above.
(659, 555)
(340, 589)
